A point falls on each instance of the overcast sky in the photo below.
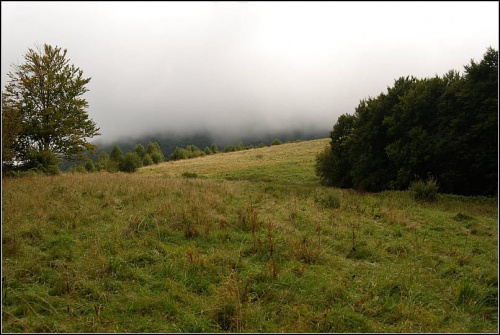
(162, 66)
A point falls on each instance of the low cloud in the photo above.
(235, 68)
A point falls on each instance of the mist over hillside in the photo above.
(225, 133)
(169, 140)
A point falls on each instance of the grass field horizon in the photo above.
(268, 163)
(246, 241)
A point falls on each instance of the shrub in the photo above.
(194, 151)
(90, 167)
(44, 161)
(424, 191)
(178, 153)
(141, 151)
(130, 163)
(98, 166)
(116, 154)
(276, 141)
(214, 148)
(157, 157)
(325, 166)
(147, 160)
(152, 147)
(104, 162)
(154, 150)
(230, 148)
(190, 151)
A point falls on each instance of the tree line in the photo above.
(116, 160)
(440, 128)
(192, 151)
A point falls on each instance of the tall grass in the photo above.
(158, 252)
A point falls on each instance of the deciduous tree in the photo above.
(44, 98)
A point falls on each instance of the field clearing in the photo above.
(252, 244)
(295, 158)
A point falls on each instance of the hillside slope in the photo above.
(289, 162)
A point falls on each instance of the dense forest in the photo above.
(441, 128)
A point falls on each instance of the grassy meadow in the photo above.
(246, 241)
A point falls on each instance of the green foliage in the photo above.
(152, 147)
(333, 165)
(214, 148)
(189, 175)
(11, 127)
(325, 167)
(208, 151)
(130, 162)
(178, 153)
(276, 141)
(157, 157)
(104, 161)
(155, 152)
(239, 147)
(424, 191)
(80, 168)
(147, 160)
(140, 150)
(116, 154)
(230, 148)
(194, 151)
(117, 161)
(90, 167)
(191, 151)
(44, 161)
(43, 98)
(443, 126)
